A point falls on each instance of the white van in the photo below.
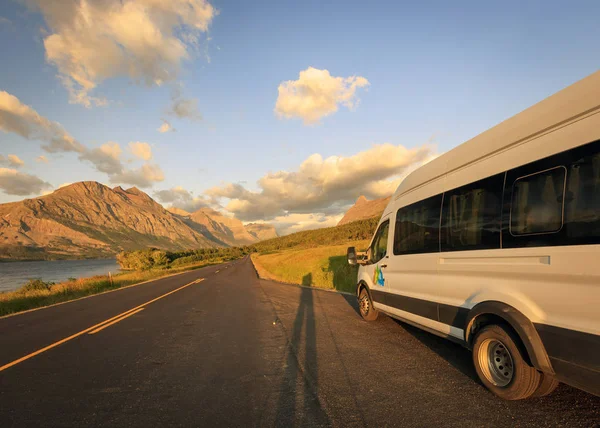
(496, 245)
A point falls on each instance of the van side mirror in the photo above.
(351, 255)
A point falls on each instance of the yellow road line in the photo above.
(115, 321)
(73, 336)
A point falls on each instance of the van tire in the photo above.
(365, 306)
(547, 386)
(501, 365)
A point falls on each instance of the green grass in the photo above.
(316, 258)
(322, 267)
(356, 231)
(29, 297)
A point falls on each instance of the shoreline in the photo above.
(22, 299)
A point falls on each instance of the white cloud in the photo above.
(141, 150)
(13, 182)
(179, 197)
(107, 159)
(326, 186)
(165, 127)
(90, 41)
(42, 159)
(12, 161)
(317, 94)
(22, 120)
(145, 176)
(15, 161)
(297, 222)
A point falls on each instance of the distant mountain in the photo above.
(364, 209)
(261, 231)
(88, 219)
(228, 230)
(178, 211)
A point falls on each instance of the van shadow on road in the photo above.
(456, 355)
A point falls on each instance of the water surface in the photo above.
(16, 274)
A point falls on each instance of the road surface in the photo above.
(233, 350)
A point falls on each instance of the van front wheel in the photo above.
(501, 366)
(365, 305)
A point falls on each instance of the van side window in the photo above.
(471, 216)
(582, 199)
(541, 210)
(417, 227)
(379, 248)
(537, 202)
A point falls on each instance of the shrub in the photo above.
(37, 285)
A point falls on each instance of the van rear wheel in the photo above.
(501, 366)
(365, 305)
(547, 386)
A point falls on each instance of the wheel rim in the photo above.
(364, 303)
(496, 362)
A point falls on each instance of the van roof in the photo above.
(576, 100)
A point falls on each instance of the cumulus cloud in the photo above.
(141, 150)
(12, 161)
(179, 197)
(22, 120)
(90, 41)
(317, 94)
(42, 159)
(13, 182)
(165, 127)
(298, 222)
(145, 176)
(107, 159)
(324, 186)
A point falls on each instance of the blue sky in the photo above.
(437, 70)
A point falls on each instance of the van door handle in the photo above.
(383, 266)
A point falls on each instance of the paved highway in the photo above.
(219, 347)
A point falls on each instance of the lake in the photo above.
(16, 274)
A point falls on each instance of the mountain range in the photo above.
(88, 219)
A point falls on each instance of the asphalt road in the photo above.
(234, 350)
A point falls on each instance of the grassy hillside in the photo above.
(323, 267)
(316, 257)
(356, 231)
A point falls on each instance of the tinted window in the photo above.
(472, 215)
(534, 214)
(537, 202)
(417, 227)
(379, 248)
(582, 200)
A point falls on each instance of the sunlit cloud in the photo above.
(141, 150)
(165, 127)
(90, 41)
(181, 198)
(317, 94)
(23, 120)
(42, 159)
(107, 159)
(326, 186)
(12, 161)
(13, 182)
